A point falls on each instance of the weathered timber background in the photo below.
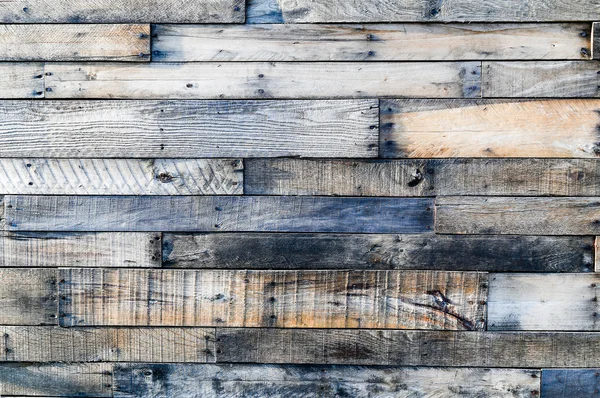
(300, 198)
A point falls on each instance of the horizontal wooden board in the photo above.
(122, 11)
(108, 42)
(60, 249)
(121, 176)
(21, 80)
(362, 251)
(263, 11)
(526, 216)
(490, 128)
(569, 79)
(570, 383)
(289, 299)
(188, 129)
(544, 302)
(261, 80)
(375, 42)
(28, 297)
(213, 381)
(218, 213)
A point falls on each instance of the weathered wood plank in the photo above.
(301, 381)
(263, 11)
(571, 79)
(122, 11)
(596, 253)
(490, 128)
(377, 42)
(188, 129)
(21, 80)
(595, 40)
(524, 216)
(570, 383)
(261, 80)
(75, 42)
(358, 251)
(121, 176)
(290, 299)
(56, 380)
(59, 249)
(218, 213)
(28, 297)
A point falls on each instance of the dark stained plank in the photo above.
(21, 80)
(218, 213)
(288, 299)
(28, 296)
(362, 251)
(188, 129)
(570, 383)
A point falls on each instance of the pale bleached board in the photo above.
(59, 249)
(596, 252)
(525, 216)
(188, 129)
(544, 302)
(75, 42)
(374, 42)
(298, 381)
(121, 176)
(288, 299)
(570, 383)
(263, 12)
(490, 128)
(264, 80)
(570, 79)
(218, 213)
(369, 251)
(28, 297)
(21, 80)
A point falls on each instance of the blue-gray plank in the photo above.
(570, 383)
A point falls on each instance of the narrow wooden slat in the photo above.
(28, 297)
(570, 383)
(188, 129)
(264, 80)
(358, 251)
(290, 299)
(596, 254)
(213, 381)
(595, 40)
(525, 216)
(218, 213)
(541, 79)
(21, 80)
(490, 128)
(376, 42)
(75, 43)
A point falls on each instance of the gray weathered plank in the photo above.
(21, 80)
(570, 383)
(263, 80)
(28, 296)
(523, 216)
(188, 129)
(374, 42)
(289, 299)
(362, 251)
(490, 128)
(301, 381)
(595, 40)
(218, 213)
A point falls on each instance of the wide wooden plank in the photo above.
(531, 79)
(21, 80)
(364, 251)
(490, 128)
(188, 129)
(218, 213)
(121, 176)
(289, 299)
(28, 297)
(212, 80)
(525, 216)
(374, 42)
(570, 383)
(122, 11)
(56, 380)
(301, 381)
(75, 42)
(60, 249)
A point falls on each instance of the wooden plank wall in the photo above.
(300, 198)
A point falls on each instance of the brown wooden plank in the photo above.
(290, 299)
(28, 297)
(21, 80)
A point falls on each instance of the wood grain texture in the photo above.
(121, 176)
(544, 302)
(21, 80)
(218, 213)
(596, 254)
(188, 129)
(263, 12)
(262, 80)
(288, 299)
(28, 297)
(369, 251)
(570, 383)
(371, 42)
(108, 42)
(525, 216)
(122, 11)
(571, 79)
(490, 128)
(213, 381)
(595, 39)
